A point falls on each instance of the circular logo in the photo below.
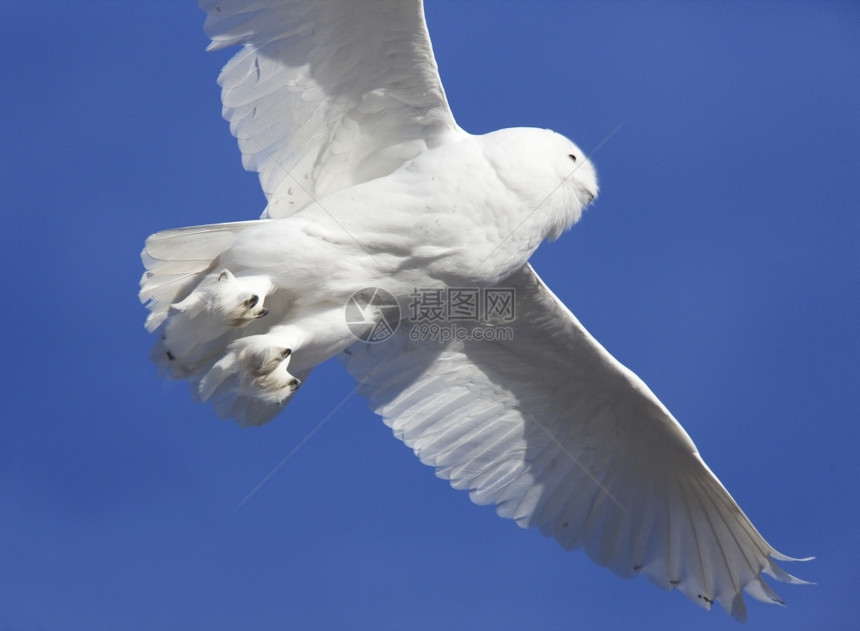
(372, 314)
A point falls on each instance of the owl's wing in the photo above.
(533, 415)
(324, 95)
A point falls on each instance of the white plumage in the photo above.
(370, 183)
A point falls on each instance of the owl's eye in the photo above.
(572, 157)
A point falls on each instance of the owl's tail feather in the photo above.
(176, 260)
(204, 316)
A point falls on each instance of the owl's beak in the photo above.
(589, 196)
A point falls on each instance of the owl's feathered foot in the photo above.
(255, 366)
(229, 300)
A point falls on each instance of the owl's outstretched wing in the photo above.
(324, 95)
(543, 422)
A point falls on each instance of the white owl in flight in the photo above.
(373, 187)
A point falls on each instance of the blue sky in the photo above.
(721, 263)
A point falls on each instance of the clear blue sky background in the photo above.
(721, 263)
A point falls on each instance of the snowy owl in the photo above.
(371, 184)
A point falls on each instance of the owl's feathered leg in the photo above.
(245, 340)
